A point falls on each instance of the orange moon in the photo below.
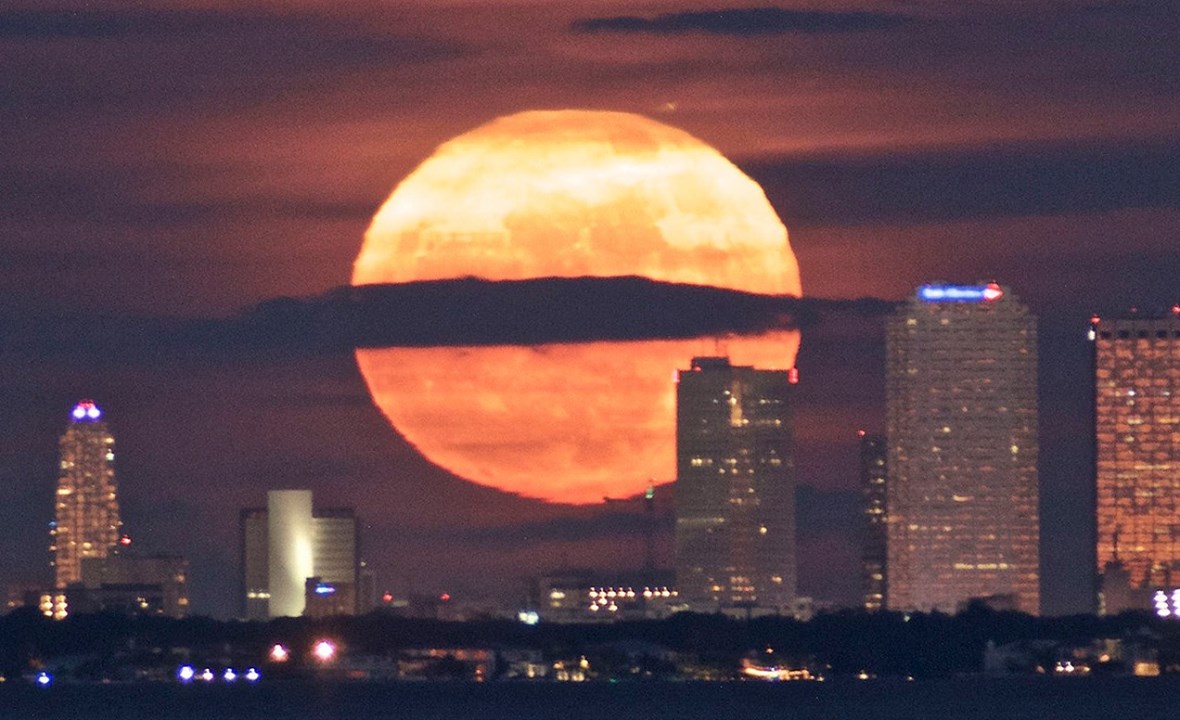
(567, 193)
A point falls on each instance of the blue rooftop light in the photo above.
(86, 411)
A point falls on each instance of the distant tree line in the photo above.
(846, 642)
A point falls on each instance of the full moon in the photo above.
(567, 193)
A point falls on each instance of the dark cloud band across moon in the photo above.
(462, 312)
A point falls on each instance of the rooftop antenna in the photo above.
(649, 506)
(649, 542)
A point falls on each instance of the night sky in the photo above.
(190, 160)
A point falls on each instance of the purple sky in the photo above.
(193, 159)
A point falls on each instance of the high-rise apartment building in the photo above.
(873, 559)
(1137, 449)
(86, 512)
(287, 544)
(961, 430)
(735, 486)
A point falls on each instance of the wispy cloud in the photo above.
(743, 22)
(106, 23)
(147, 58)
(1008, 180)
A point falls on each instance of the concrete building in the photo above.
(286, 545)
(735, 487)
(86, 512)
(131, 583)
(961, 429)
(289, 550)
(1137, 455)
(873, 558)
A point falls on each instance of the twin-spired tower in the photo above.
(86, 511)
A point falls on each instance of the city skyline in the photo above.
(196, 159)
(84, 405)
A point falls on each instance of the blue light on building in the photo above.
(960, 293)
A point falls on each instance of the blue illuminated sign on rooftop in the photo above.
(960, 293)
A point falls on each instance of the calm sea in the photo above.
(959, 699)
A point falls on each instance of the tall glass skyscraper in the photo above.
(735, 486)
(1137, 448)
(961, 428)
(86, 513)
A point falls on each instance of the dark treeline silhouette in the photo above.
(848, 642)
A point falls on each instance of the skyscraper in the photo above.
(86, 522)
(1137, 448)
(289, 550)
(286, 544)
(961, 429)
(873, 550)
(735, 486)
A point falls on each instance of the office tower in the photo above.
(132, 583)
(1137, 450)
(86, 522)
(287, 544)
(337, 562)
(961, 429)
(735, 486)
(874, 579)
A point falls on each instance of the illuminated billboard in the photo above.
(960, 293)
